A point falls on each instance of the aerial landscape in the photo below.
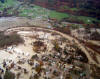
(49, 39)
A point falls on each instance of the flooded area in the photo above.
(49, 39)
(27, 60)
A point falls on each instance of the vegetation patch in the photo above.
(56, 46)
(8, 40)
(95, 71)
(34, 11)
(58, 15)
(39, 46)
(9, 75)
(95, 36)
(65, 30)
(84, 58)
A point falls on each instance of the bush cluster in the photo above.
(7, 40)
(9, 75)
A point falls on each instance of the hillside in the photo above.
(77, 7)
(16, 8)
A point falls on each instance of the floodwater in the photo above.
(77, 20)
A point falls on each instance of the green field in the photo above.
(37, 11)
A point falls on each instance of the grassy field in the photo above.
(37, 11)
(9, 3)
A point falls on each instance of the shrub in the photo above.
(9, 75)
(95, 71)
(73, 19)
(95, 36)
(84, 57)
(56, 46)
(65, 30)
(7, 40)
(39, 46)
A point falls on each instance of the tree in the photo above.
(95, 36)
(9, 75)
(2, 1)
(51, 2)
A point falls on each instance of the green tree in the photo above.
(9, 75)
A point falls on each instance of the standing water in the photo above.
(49, 39)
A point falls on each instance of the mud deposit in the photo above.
(44, 54)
